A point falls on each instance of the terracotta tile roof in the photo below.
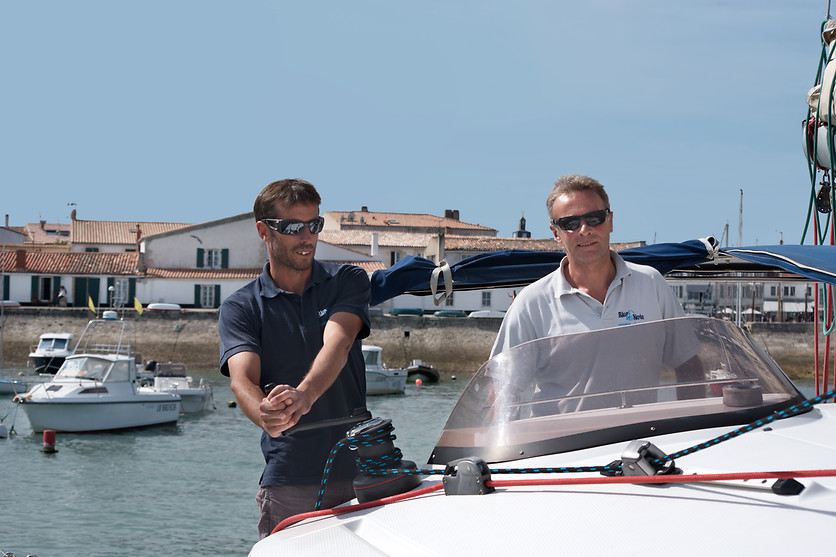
(48, 233)
(384, 239)
(160, 273)
(70, 263)
(115, 232)
(53, 248)
(481, 244)
(383, 221)
(368, 266)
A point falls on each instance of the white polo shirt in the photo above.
(551, 306)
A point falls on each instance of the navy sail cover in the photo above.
(511, 268)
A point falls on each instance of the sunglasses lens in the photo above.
(569, 223)
(595, 219)
(292, 227)
(316, 225)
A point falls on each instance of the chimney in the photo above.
(375, 249)
(364, 209)
(7, 220)
(20, 259)
(451, 214)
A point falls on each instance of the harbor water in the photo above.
(184, 489)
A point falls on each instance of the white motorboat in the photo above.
(628, 438)
(381, 380)
(195, 396)
(51, 351)
(96, 387)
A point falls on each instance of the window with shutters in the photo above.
(213, 258)
(207, 295)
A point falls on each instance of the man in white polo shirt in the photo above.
(594, 288)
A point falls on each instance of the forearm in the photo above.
(326, 367)
(248, 396)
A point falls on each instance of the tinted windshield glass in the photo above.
(372, 357)
(580, 390)
(83, 368)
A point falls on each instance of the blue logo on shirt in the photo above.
(630, 315)
(323, 315)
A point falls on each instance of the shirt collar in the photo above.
(562, 286)
(268, 289)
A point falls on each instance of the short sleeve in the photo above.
(239, 330)
(354, 295)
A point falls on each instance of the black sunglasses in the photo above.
(594, 218)
(290, 226)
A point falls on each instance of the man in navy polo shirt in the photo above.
(297, 326)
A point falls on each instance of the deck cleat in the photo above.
(643, 458)
(467, 476)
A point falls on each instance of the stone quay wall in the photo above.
(452, 345)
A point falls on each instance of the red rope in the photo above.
(679, 478)
(566, 481)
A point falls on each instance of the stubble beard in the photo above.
(283, 256)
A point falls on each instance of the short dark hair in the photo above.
(287, 193)
(575, 182)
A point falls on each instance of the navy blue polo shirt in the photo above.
(285, 330)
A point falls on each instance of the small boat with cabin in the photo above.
(195, 396)
(380, 379)
(51, 351)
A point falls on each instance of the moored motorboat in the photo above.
(195, 396)
(381, 380)
(50, 352)
(96, 388)
(419, 369)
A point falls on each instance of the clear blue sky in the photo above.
(183, 110)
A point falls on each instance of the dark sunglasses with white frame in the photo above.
(292, 227)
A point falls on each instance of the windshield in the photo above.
(83, 368)
(372, 357)
(52, 344)
(575, 391)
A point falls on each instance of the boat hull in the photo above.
(193, 399)
(76, 416)
(46, 364)
(385, 381)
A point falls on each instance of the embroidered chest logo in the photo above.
(630, 315)
(323, 316)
